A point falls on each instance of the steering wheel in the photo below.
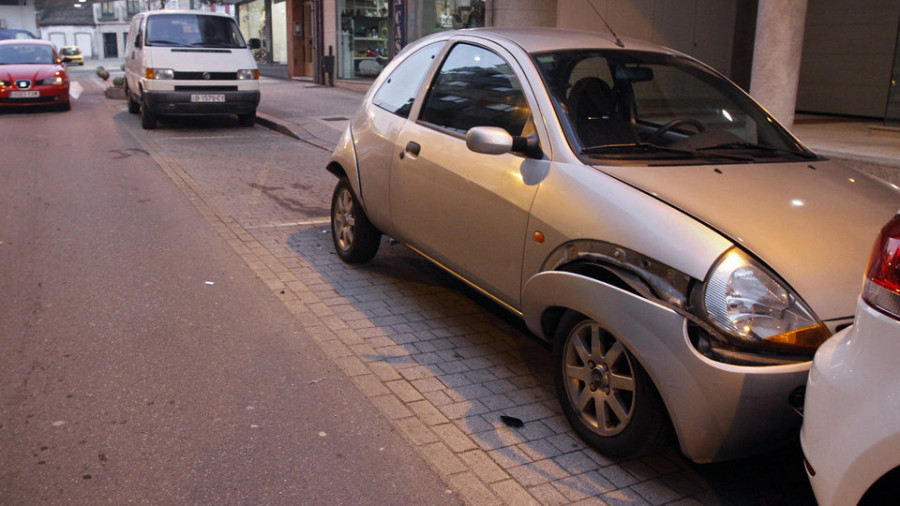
(675, 123)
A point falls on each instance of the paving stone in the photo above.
(473, 489)
(583, 486)
(547, 495)
(428, 413)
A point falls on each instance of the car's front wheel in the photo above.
(148, 117)
(248, 119)
(605, 393)
(356, 240)
(134, 106)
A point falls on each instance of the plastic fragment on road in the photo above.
(512, 421)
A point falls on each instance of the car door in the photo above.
(375, 131)
(468, 211)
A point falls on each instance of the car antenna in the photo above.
(618, 40)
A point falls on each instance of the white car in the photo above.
(851, 426)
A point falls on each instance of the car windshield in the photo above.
(69, 51)
(636, 106)
(193, 30)
(18, 54)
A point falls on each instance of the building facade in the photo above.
(850, 61)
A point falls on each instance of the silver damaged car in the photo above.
(684, 253)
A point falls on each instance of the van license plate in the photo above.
(207, 98)
(25, 94)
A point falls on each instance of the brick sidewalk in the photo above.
(434, 357)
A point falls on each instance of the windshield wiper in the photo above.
(163, 43)
(759, 147)
(646, 147)
(636, 147)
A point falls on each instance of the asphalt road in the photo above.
(143, 360)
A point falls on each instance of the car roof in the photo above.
(169, 12)
(540, 39)
(34, 42)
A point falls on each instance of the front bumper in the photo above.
(180, 103)
(55, 95)
(719, 411)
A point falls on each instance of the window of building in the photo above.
(107, 10)
(133, 7)
(476, 87)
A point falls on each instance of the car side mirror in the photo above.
(254, 43)
(66, 59)
(497, 141)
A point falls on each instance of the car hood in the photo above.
(813, 223)
(31, 72)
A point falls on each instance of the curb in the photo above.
(292, 130)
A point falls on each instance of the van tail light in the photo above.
(882, 285)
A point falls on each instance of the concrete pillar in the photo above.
(776, 56)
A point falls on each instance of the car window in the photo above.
(476, 87)
(26, 54)
(193, 30)
(633, 105)
(398, 92)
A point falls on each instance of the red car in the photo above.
(32, 74)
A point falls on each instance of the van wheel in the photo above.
(148, 118)
(247, 120)
(604, 392)
(134, 106)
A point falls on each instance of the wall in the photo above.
(702, 28)
(526, 12)
(81, 36)
(19, 17)
(848, 52)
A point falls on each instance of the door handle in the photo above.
(413, 148)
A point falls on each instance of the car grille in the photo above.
(203, 76)
(206, 88)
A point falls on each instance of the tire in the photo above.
(356, 240)
(247, 120)
(66, 106)
(148, 118)
(134, 106)
(604, 392)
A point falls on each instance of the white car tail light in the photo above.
(882, 285)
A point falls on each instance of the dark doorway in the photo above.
(110, 45)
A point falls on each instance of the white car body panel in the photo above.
(851, 424)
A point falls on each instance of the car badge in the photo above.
(206, 76)
(22, 84)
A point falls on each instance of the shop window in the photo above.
(253, 26)
(363, 38)
(457, 14)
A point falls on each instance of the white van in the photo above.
(181, 62)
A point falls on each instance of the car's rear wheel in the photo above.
(356, 240)
(605, 393)
(148, 118)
